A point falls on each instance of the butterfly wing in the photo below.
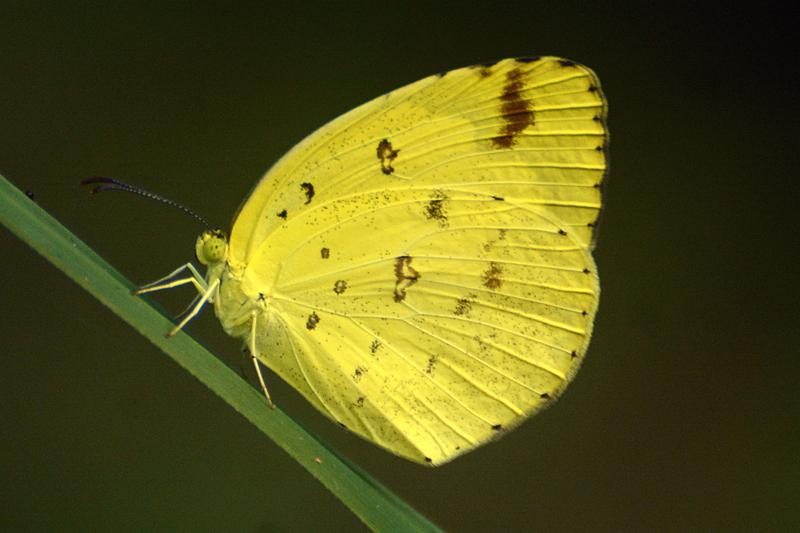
(423, 262)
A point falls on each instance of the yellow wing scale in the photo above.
(420, 267)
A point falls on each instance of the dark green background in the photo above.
(685, 414)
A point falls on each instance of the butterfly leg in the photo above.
(205, 292)
(207, 295)
(196, 279)
(254, 355)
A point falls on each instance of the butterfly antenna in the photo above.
(107, 184)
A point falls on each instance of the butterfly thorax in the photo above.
(232, 306)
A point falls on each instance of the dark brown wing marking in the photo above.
(309, 190)
(491, 278)
(431, 366)
(516, 111)
(436, 208)
(386, 154)
(406, 277)
(359, 373)
(464, 305)
(340, 286)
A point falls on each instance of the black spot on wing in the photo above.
(325, 252)
(387, 155)
(313, 320)
(309, 191)
(601, 185)
(340, 286)
(405, 277)
(283, 214)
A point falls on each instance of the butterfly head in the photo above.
(212, 247)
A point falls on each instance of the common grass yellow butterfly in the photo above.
(420, 268)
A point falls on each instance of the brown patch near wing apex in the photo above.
(516, 111)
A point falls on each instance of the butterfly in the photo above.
(420, 268)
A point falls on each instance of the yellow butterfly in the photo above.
(420, 268)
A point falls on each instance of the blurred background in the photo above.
(685, 414)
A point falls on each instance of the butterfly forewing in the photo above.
(515, 124)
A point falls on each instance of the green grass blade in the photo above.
(369, 500)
